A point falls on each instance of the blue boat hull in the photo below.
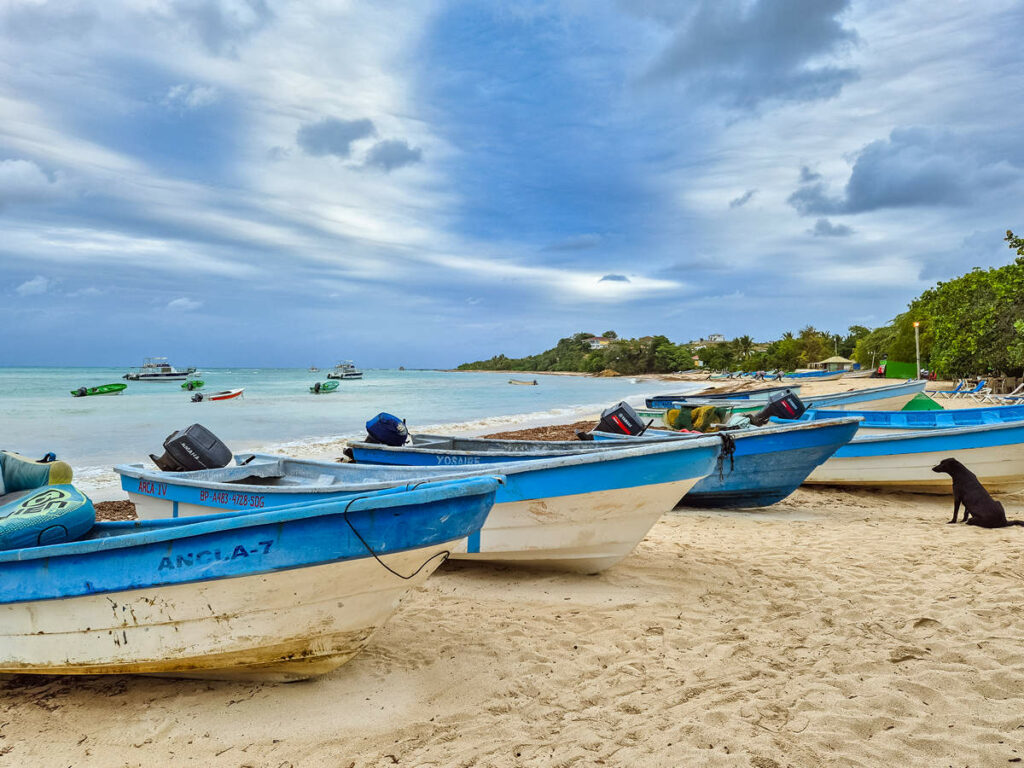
(283, 594)
(768, 464)
(766, 469)
(583, 511)
(923, 420)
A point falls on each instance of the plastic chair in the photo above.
(935, 394)
(973, 392)
(1009, 397)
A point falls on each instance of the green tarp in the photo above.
(897, 370)
(921, 402)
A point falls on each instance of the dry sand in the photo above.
(836, 629)
(833, 629)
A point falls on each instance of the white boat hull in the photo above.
(1000, 468)
(583, 533)
(278, 626)
(894, 403)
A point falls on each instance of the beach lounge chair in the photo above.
(935, 394)
(979, 389)
(1010, 397)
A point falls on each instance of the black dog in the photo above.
(979, 507)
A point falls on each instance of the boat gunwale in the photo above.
(912, 434)
(170, 529)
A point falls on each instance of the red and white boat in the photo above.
(227, 394)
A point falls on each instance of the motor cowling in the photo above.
(192, 448)
(621, 419)
(781, 405)
(387, 429)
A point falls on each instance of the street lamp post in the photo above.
(917, 347)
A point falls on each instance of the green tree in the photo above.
(1015, 244)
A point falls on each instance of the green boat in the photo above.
(193, 384)
(102, 389)
(323, 387)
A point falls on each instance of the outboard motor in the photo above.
(197, 397)
(192, 448)
(387, 429)
(621, 419)
(82, 392)
(781, 405)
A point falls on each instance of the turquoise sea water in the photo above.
(38, 413)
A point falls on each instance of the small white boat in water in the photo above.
(346, 370)
(158, 369)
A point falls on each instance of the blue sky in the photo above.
(263, 183)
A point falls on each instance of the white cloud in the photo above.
(191, 96)
(183, 304)
(33, 287)
(22, 181)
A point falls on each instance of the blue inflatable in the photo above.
(48, 515)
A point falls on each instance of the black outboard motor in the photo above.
(781, 405)
(197, 397)
(621, 419)
(192, 448)
(387, 429)
(82, 392)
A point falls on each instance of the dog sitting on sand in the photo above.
(979, 507)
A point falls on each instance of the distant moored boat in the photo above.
(346, 369)
(102, 389)
(158, 369)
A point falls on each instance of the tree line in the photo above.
(972, 324)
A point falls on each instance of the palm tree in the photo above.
(745, 345)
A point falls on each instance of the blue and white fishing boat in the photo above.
(889, 397)
(582, 512)
(918, 420)
(813, 375)
(282, 594)
(760, 395)
(904, 461)
(767, 463)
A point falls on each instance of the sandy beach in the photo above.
(836, 629)
(832, 629)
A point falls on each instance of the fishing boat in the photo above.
(345, 370)
(323, 387)
(887, 397)
(158, 369)
(814, 375)
(865, 373)
(313, 369)
(102, 389)
(766, 463)
(920, 420)
(904, 461)
(227, 394)
(193, 384)
(522, 382)
(760, 395)
(277, 595)
(582, 512)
